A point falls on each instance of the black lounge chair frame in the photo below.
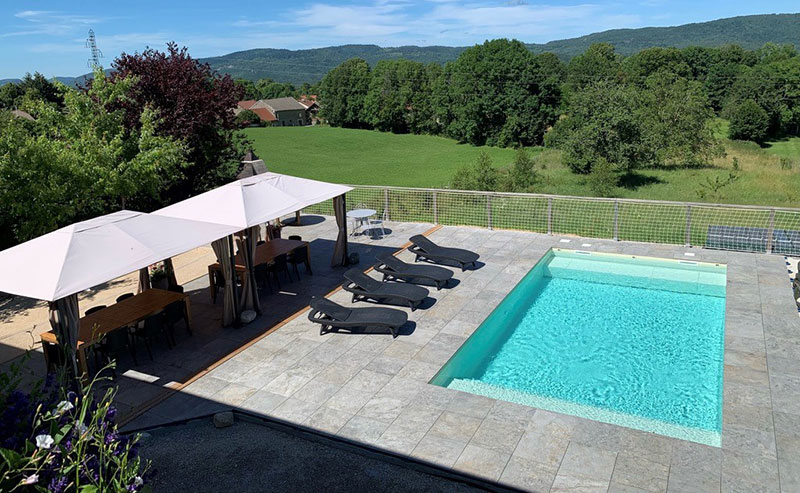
(332, 316)
(363, 287)
(394, 269)
(425, 249)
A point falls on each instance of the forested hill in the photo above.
(749, 32)
(298, 66)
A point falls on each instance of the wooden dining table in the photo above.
(122, 314)
(265, 253)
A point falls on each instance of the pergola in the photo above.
(56, 266)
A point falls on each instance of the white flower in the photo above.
(64, 406)
(82, 428)
(32, 479)
(44, 441)
(138, 481)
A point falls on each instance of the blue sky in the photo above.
(48, 36)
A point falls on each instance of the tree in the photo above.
(247, 118)
(666, 122)
(342, 94)
(598, 62)
(34, 86)
(79, 161)
(479, 176)
(194, 106)
(269, 89)
(499, 94)
(248, 89)
(748, 121)
(521, 176)
(398, 99)
(652, 61)
(604, 122)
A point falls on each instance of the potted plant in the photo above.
(158, 276)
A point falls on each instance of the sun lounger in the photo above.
(332, 316)
(393, 268)
(364, 287)
(424, 248)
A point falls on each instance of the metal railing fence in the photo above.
(721, 226)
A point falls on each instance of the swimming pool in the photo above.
(633, 341)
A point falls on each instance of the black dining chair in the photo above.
(54, 356)
(279, 265)
(112, 346)
(261, 272)
(152, 328)
(174, 313)
(94, 309)
(300, 256)
(124, 297)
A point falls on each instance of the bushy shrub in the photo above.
(749, 121)
(248, 118)
(521, 175)
(479, 176)
(59, 440)
(603, 179)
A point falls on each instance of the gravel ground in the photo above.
(197, 457)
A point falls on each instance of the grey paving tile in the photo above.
(572, 484)
(501, 436)
(624, 488)
(749, 442)
(598, 435)
(547, 447)
(692, 480)
(363, 429)
(741, 469)
(438, 450)
(787, 434)
(417, 417)
(234, 394)
(747, 416)
(560, 425)
(349, 400)
(287, 383)
(456, 426)
(316, 391)
(790, 474)
(785, 393)
(434, 396)
(528, 475)
(262, 402)
(640, 473)
(482, 462)
(690, 455)
(473, 405)
(327, 419)
(647, 446)
(585, 461)
(383, 408)
(294, 410)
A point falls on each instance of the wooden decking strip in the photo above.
(177, 387)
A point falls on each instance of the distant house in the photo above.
(311, 105)
(280, 112)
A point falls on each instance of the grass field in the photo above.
(364, 157)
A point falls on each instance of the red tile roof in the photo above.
(247, 104)
(265, 114)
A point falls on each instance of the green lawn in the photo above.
(364, 157)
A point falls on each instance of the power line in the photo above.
(96, 54)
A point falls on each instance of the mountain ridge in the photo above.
(310, 65)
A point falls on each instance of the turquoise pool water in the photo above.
(633, 341)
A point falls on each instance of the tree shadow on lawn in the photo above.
(633, 180)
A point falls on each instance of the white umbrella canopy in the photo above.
(242, 203)
(307, 192)
(88, 253)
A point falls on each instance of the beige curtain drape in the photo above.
(340, 250)
(223, 252)
(65, 320)
(144, 279)
(248, 245)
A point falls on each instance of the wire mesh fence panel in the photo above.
(324, 208)
(519, 212)
(462, 209)
(740, 228)
(786, 233)
(409, 205)
(583, 217)
(651, 223)
(729, 228)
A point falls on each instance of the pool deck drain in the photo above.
(372, 388)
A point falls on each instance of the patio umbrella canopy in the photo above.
(254, 200)
(88, 253)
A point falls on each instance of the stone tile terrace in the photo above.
(374, 389)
